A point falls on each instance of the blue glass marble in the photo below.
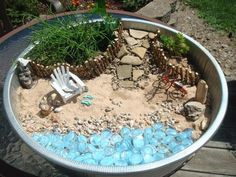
(125, 131)
(159, 134)
(125, 155)
(95, 139)
(135, 159)
(148, 158)
(158, 126)
(109, 151)
(148, 149)
(107, 161)
(136, 132)
(91, 148)
(98, 155)
(178, 148)
(82, 147)
(71, 136)
(116, 156)
(168, 139)
(138, 142)
(121, 163)
(159, 156)
(115, 139)
(90, 161)
(104, 143)
(106, 134)
(88, 97)
(171, 131)
(81, 138)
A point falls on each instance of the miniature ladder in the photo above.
(66, 83)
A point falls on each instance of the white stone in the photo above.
(58, 109)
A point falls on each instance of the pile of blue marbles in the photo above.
(129, 147)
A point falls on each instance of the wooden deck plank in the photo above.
(213, 161)
(183, 173)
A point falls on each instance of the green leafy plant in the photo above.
(133, 5)
(176, 45)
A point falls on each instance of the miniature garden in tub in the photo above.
(142, 100)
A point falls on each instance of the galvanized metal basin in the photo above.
(209, 69)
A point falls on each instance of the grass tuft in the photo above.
(221, 14)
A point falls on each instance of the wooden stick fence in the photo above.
(90, 68)
(186, 75)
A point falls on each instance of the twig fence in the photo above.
(186, 75)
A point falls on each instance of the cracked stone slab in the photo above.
(140, 51)
(127, 84)
(131, 60)
(131, 41)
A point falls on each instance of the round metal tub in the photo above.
(209, 70)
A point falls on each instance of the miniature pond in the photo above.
(143, 104)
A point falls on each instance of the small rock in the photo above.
(203, 125)
(138, 34)
(58, 109)
(145, 44)
(54, 119)
(53, 96)
(194, 110)
(132, 60)
(173, 20)
(137, 74)
(151, 35)
(123, 51)
(131, 41)
(108, 109)
(45, 109)
(124, 71)
(115, 86)
(140, 51)
(127, 84)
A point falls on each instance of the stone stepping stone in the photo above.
(137, 73)
(140, 51)
(158, 9)
(138, 34)
(131, 60)
(131, 41)
(126, 84)
(124, 71)
(123, 51)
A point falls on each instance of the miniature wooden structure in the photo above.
(66, 83)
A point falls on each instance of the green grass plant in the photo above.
(221, 14)
(67, 41)
(175, 45)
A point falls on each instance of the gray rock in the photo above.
(137, 73)
(127, 84)
(131, 41)
(194, 110)
(132, 60)
(124, 71)
(138, 34)
(173, 20)
(123, 51)
(158, 9)
(140, 51)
